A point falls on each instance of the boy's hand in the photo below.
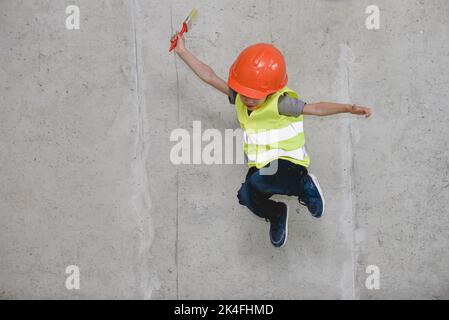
(362, 111)
(180, 45)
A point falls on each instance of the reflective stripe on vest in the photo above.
(272, 154)
(274, 135)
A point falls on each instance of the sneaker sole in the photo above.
(315, 181)
(286, 229)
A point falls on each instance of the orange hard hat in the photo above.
(258, 71)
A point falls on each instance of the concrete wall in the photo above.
(86, 177)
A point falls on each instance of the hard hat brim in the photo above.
(252, 93)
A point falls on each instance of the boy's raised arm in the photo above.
(203, 71)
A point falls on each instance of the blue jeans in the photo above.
(257, 189)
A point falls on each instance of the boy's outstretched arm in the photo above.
(203, 71)
(330, 108)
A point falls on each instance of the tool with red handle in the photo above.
(186, 26)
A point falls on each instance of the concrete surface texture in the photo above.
(86, 177)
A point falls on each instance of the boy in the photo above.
(271, 116)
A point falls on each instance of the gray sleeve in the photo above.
(289, 106)
(232, 95)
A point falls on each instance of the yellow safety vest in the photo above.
(268, 136)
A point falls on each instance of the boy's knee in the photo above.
(243, 195)
(258, 185)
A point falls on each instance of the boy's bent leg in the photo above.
(257, 202)
(295, 180)
(259, 187)
(275, 212)
(255, 194)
